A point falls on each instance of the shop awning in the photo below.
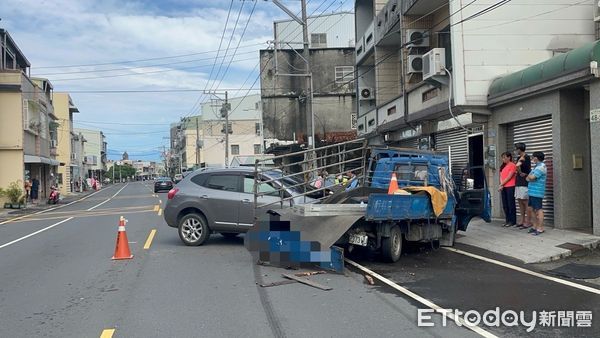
(560, 65)
(41, 159)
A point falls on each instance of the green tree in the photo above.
(124, 170)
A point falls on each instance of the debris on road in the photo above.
(309, 273)
(307, 282)
(283, 282)
(369, 280)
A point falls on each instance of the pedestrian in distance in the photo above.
(27, 190)
(508, 179)
(537, 190)
(35, 188)
(521, 187)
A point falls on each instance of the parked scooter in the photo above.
(54, 196)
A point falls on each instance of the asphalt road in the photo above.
(59, 281)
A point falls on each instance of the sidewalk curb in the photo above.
(556, 244)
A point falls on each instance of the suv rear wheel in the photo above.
(193, 230)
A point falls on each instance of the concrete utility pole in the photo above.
(197, 138)
(225, 113)
(308, 92)
(308, 111)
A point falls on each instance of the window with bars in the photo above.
(257, 149)
(344, 74)
(318, 40)
(235, 149)
(257, 128)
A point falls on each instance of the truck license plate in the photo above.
(358, 240)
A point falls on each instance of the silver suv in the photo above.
(222, 200)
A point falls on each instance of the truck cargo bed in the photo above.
(384, 207)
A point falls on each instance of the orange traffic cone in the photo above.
(122, 249)
(393, 185)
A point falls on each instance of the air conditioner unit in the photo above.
(434, 63)
(417, 38)
(415, 64)
(367, 94)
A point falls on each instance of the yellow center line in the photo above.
(156, 207)
(84, 215)
(107, 333)
(149, 240)
(159, 212)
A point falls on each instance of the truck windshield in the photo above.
(408, 172)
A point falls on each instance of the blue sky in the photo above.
(84, 34)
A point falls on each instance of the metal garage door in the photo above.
(412, 143)
(457, 140)
(537, 135)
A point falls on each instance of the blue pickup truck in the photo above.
(390, 218)
(429, 205)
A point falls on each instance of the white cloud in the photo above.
(70, 32)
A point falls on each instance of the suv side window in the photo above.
(199, 179)
(222, 182)
(262, 188)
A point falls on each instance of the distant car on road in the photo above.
(163, 183)
(178, 178)
(222, 200)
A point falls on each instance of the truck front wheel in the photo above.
(391, 247)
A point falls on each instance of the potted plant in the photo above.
(15, 195)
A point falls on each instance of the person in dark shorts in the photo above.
(508, 171)
(537, 189)
(521, 189)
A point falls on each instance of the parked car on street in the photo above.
(222, 200)
(163, 183)
(178, 178)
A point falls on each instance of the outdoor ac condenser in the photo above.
(434, 63)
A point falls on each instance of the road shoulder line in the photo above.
(421, 300)
(35, 233)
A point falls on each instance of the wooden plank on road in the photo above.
(307, 282)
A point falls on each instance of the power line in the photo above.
(132, 68)
(141, 60)
(140, 73)
(239, 41)
(229, 44)
(214, 63)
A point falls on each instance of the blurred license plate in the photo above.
(358, 240)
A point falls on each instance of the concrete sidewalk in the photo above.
(552, 245)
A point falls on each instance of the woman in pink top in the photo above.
(508, 180)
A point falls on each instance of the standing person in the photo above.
(35, 187)
(537, 189)
(521, 187)
(27, 190)
(508, 179)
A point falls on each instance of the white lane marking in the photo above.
(422, 300)
(110, 198)
(529, 272)
(35, 233)
(47, 210)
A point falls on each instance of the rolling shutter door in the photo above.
(537, 135)
(412, 143)
(457, 140)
